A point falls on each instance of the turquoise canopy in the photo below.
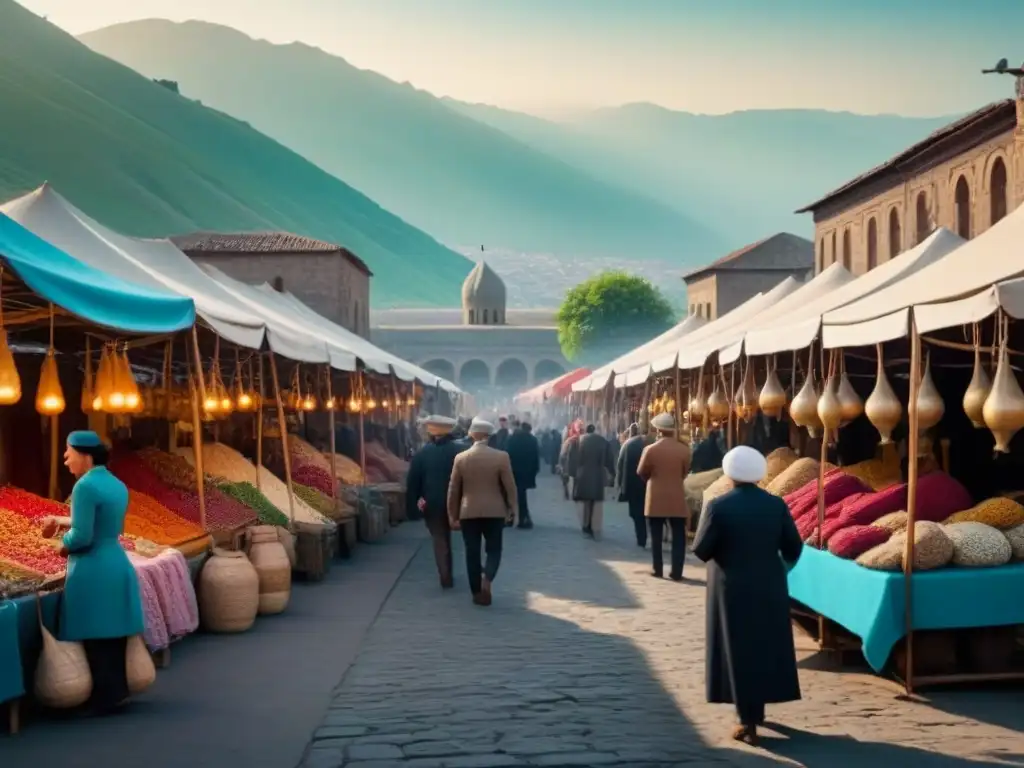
(94, 296)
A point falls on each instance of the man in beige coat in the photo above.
(481, 499)
(665, 465)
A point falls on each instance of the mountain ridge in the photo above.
(463, 181)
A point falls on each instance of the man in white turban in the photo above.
(749, 654)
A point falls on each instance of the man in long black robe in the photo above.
(749, 653)
(524, 455)
(430, 472)
(632, 487)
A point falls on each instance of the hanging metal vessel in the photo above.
(1004, 407)
(773, 397)
(830, 411)
(849, 401)
(746, 402)
(718, 405)
(698, 403)
(883, 408)
(977, 392)
(930, 408)
(804, 408)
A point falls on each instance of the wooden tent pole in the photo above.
(362, 424)
(283, 427)
(912, 449)
(260, 405)
(198, 398)
(679, 405)
(330, 426)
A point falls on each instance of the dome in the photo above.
(483, 297)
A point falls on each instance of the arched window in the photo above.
(924, 226)
(278, 284)
(485, 317)
(833, 259)
(962, 204)
(997, 186)
(895, 234)
(872, 243)
(847, 256)
(821, 255)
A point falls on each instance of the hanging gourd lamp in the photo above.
(930, 408)
(49, 395)
(772, 398)
(103, 384)
(128, 385)
(354, 405)
(979, 388)
(10, 381)
(1004, 406)
(882, 408)
(371, 404)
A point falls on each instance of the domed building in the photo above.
(484, 347)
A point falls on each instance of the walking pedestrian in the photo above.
(500, 437)
(427, 490)
(595, 465)
(524, 455)
(664, 465)
(481, 498)
(632, 487)
(749, 653)
(568, 456)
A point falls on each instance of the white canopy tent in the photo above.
(799, 328)
(964, 286)
(159, 263)
(598, 380)
(663, 358)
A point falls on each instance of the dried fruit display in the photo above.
(22, 543)
(345, 469)
(250, 495)
(314, 477)
(321, 502)
(149, 519)
(29, 505)
(394, 467)
(302, 453)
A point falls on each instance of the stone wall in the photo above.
(328, 283)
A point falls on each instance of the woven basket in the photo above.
(229, 592)
(63, 679)
(139, 666)
(269, 558)
(287, 539)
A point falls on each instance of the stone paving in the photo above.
(585, 660)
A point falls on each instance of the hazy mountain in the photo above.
(142, 159)
(742, 174)
(463, 181)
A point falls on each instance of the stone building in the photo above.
(723, 285)
(329, 279)
(484, 347)
(965, 177)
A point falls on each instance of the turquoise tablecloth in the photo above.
(870, 604)
(21, 641)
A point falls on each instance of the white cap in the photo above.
(664, 422)
(439, 425)
(481, 427)
(744, 464)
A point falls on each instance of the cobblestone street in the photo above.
(585, 660)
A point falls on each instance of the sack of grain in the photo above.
(793, 477)
(695, 485)
(932, 547)
(879, 474)
(1015, 536)
(939, 496)
(999, 512)
(884, 557)
(778, 461)
(836, 490)
(978, 545)
(721, 486)
(892, 522)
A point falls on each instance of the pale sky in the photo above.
(911, 57)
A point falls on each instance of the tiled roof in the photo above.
(261, 242)
(783, 252)
(976, 128)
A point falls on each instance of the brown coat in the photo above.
(482, 484)
(664, 465)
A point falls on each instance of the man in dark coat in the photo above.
(749, 654)
(594, 465)
(708, 453)
(500, 438)
(555, 450)
(632, 487)
(430, 472)
(524, 453)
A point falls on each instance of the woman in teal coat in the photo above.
(102, 606)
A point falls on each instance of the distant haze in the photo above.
(870, 56)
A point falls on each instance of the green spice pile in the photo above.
(250, 495)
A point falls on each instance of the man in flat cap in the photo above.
(665, 465)
(427, 489)
(481, 500)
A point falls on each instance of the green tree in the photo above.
(609, 314)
